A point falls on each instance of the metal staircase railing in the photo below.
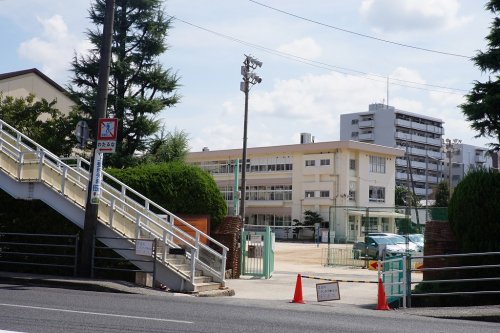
(121, 208)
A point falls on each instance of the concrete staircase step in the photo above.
(202, 279)
(201, 287)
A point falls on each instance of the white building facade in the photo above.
(464, 157)
(420, 136)
(337, 179)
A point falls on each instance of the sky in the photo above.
(320, 59)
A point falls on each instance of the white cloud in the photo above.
(305, 47)
(407, 74)
(54, 49)
(394, 16)
(312, 103)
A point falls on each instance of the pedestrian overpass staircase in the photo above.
(28, 171)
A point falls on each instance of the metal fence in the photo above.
(106, 263)
(457, 275)
(341, 257)
(39, 253)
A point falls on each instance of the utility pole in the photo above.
(91, 209)
(249, 78)
(450, 146)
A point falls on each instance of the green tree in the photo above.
(170, 147)
(140, 86)
(482, 108)
(41, 122)
(311, 218)
(442, 194)
(178, 187)
(401, 197)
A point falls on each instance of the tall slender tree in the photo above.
(482, 108)
(140, 87)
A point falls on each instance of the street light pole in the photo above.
(90, 223)
(249, 78)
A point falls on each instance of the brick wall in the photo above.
(439, 239)
(228, 233)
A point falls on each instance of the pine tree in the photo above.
(482, 108)
(140, 87)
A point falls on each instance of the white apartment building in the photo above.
(464, 157)
(336, 179)
(420, 135)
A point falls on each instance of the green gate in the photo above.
(394, 278)
(257, 253)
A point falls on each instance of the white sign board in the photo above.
(255, 238)
(328, 291)
(144, 247)
(95, 193)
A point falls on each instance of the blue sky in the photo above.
(334, 72)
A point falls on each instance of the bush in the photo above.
(474, 211)
(177, 187)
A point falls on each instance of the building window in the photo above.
(354, 134)
(376, 194)
(324, 194)
(309, 194)
(310, 163)
(354, 122)
(370, 224)
(324, 162)
(377, 164)
(352, 164)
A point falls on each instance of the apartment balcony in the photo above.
(420, 191)
(435, 154)
(435, 129)
(366, 123)
(419, 126)
(434, 142)
(366, 137)
(480, 159)
(417, 151)
(403, 123)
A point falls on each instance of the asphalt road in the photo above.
(32, 309)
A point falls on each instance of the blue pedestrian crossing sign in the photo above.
(107, 129)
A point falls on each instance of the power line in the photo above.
(329, 67)
(360, 34)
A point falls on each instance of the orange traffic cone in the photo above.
(297, 297)
(382, 300)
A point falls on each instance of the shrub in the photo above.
(474, 211)
(178, 187)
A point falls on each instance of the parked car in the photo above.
(394, 245)
(418, 240)
(413, 246)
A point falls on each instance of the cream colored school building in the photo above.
(336, 179)
(31, 81)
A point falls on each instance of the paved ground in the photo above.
(292, 259)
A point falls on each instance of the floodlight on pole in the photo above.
(249, 79)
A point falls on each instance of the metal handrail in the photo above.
(455, 268)
(147, 202)
(24, 145)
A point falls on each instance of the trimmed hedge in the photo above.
(178, 187)
(474, 211)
